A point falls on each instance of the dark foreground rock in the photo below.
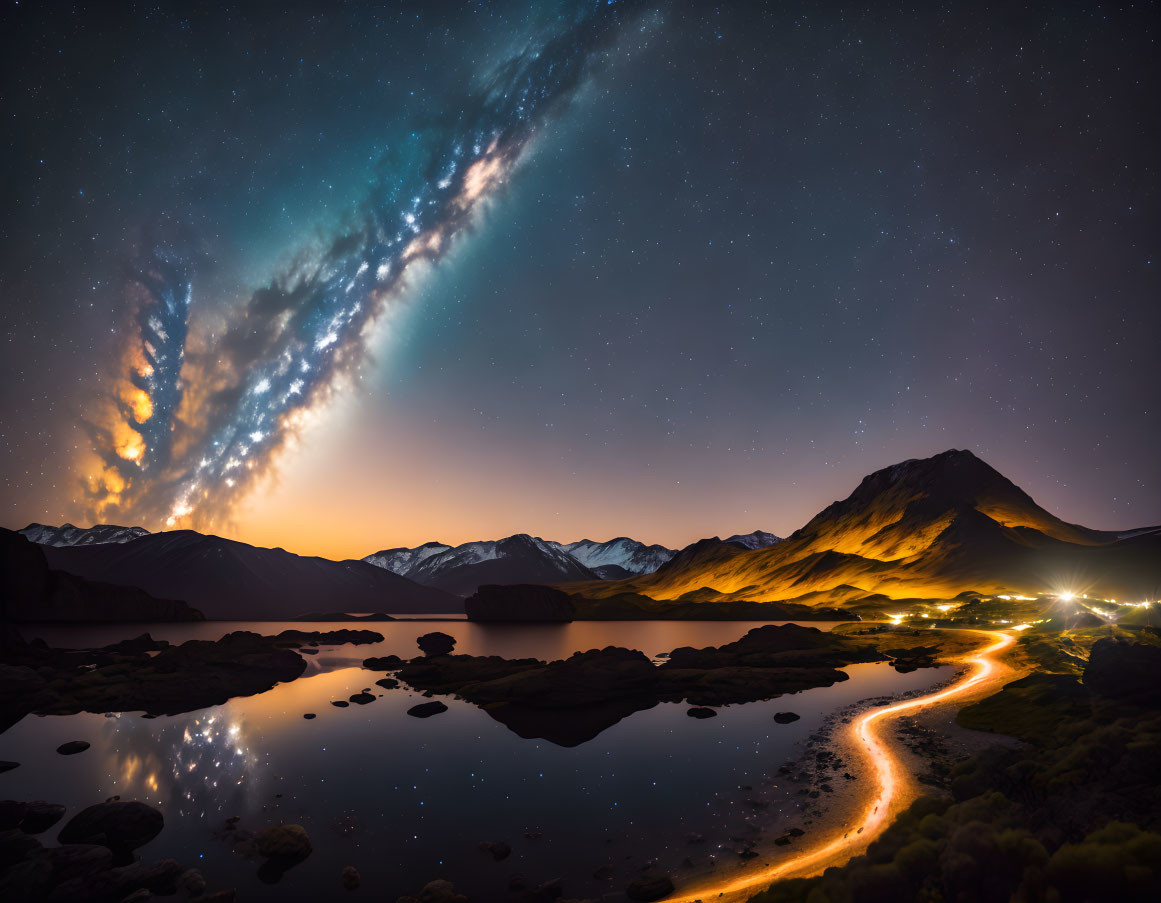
(281, 848)
(427, 709)
(1130, 672)
(34, 817)
(326, 637)
(383, 663)
(786, 717)
(286, 842)
(72, 747)
(122, 826)
(436, 643)
(497, 849)
(914, 658)
(701, 712)
(86, 870)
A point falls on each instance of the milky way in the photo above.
(770, 248)
(184, 439)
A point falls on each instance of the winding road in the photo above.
(886, 768)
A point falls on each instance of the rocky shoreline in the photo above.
(95, 861)
(153, 676)
(569, 702)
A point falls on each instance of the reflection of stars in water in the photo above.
(211, 757)
(135, 767)
(199, 763)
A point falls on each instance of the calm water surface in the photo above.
(407, 800)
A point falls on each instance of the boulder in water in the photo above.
(436, 643)
(122, 826)
(427, 709)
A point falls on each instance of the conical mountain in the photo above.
(931, 527)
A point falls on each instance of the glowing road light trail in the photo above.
(884, 765)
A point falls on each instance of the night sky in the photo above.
(343, 276)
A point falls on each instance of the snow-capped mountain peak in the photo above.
(69, 535)
(515, 559)
(622, 552)
(403, 561)
(759, 539)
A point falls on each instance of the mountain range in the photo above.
(515, 559)
(930, 528)
(927, 528)
(226, 579)
(68, 535)
(31, 591)
(231, 580)
(522, 559)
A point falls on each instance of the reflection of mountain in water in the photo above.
(209, 767)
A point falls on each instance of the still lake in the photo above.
(408, 800)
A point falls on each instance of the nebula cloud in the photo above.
(185, 436)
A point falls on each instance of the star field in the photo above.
(747, 254)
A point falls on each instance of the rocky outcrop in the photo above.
(325, 637)
(497, 849)
(436, 643)
(427, 709)
(383, 662)
(122, 826)
(282, 847)
(125, 677)
(34, 817)
(1125, 671)
(571, 701)
(519, 602)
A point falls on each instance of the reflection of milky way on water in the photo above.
(200, 763)
(210, 762)
(407, 800)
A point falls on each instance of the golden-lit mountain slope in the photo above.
(934, 527)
